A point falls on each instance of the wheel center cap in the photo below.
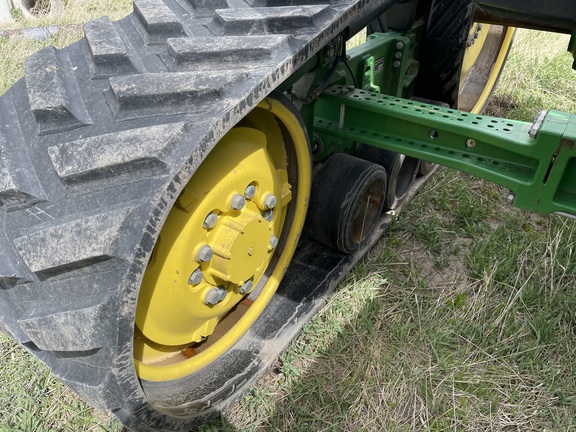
(241, 247)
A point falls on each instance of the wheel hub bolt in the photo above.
(246, 287)
(210, 221)
(273, 241)
(195, 277)
(268, 215)
(250, 191)
(237, 202)
(270, 201)
(204, 254)
(215, 296)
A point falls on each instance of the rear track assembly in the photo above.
(98, 141)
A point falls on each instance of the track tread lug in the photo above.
(12, 269)
(159, 21)
(204, 51)
(54, 95)
(18, 189)
(166, 93)
(268, 20)
(47, 331)
(56, 249)
(108, 51)
(113, 154)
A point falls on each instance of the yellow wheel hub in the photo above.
(224, 246)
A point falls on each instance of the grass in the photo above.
(462, 318)
(13, 50)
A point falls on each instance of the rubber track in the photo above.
(444, 45)
(98, 140)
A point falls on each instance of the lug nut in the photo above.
(210, 221)
(268, 215)
(250, 191)
(246, 287)
(204, 254)
(237, 202)
(270, 201)
(215, 296)
(273, 241)
(195, 277)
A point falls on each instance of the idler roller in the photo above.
(347, 198)
(401, 169)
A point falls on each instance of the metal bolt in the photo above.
(215, 296)
(511, 198)
(204, 254)
(537, 124)
(246, 288)
(273, 241)
(250, 191)
(398, 55)
(329, 51)
(397, 64)
(210, 221)
(399, 45)
(268, 215)
(270, 201)
(317, 145)
(470, 143)
(237, 202)
(195, 277)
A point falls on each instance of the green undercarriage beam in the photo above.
(537, 162)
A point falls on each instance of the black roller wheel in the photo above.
(401, 169)
(347, 197)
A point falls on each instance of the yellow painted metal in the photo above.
(482, 64)
(495, 72)
(473, 51)
(177, 332)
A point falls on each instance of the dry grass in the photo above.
(73, 12)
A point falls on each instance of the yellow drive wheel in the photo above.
(225, 245)
(484, 59)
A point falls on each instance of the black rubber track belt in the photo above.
(97, 141)
(443, 49)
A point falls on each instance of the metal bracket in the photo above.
(536, 162)
(369, 75)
